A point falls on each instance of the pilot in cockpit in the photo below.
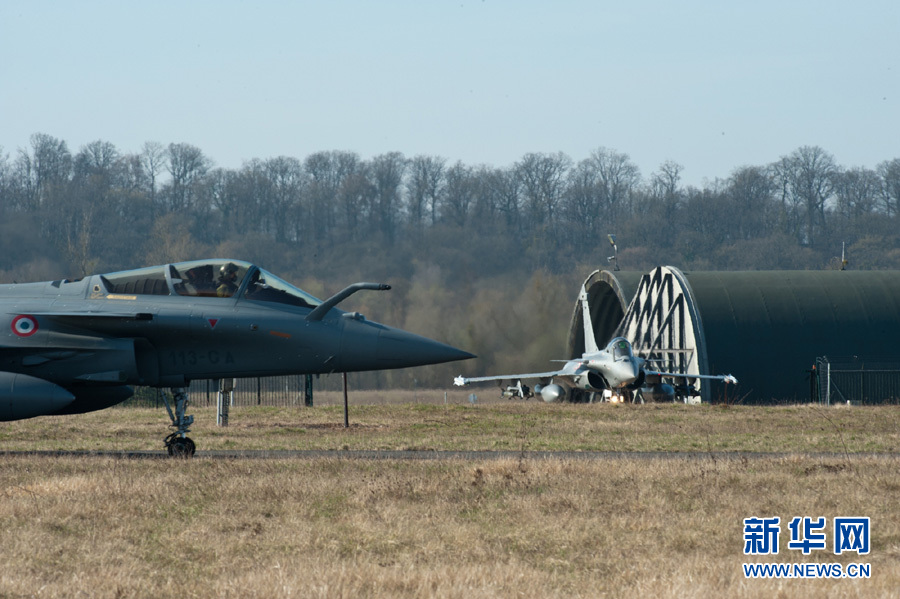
(227, 284)
(622, 349)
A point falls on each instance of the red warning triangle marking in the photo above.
(212, 322)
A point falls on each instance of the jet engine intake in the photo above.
(590, 381)
(639, 381)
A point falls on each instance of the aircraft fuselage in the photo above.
(97, 336)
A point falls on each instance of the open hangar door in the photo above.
(664, 327)
(609, 294)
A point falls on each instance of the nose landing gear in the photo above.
(178, 444)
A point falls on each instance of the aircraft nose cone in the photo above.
(624, 373)
(367, 345)
(399, 349)
(635, 370)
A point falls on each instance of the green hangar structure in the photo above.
(767, 328)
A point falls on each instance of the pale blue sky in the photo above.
(710, 85)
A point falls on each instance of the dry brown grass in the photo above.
(458, 425)
(639, 527)
(99, 527)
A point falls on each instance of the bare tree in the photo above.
(582, 204)
(889, 171)
(485, 212)
(806, 180)
(504, 183)
(857, 192)
(45, 170)
(704, 223)
(387, 176)
(426, 180)
(543, 183)
(153, 159)
(355, 198)
(252, 188)
(187, 165)
(97, 158)
(287, 180)
(7, 184)
(323, 204)
(750, 190)
(97, 169)
(79, 242)
(616, 178)
(665, 182)
(219, 190)
(459, 194)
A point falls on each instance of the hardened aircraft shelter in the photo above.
(767, 328)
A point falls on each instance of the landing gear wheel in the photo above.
(182, 447)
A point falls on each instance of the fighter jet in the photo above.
(615, 371)
(74, 346)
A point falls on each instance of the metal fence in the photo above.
(850, 381)
(280, 391)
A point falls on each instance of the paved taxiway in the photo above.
(251, 454)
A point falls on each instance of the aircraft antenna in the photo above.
(615, 257)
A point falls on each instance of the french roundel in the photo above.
(24, 325)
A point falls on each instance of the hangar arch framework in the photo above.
(664, 327)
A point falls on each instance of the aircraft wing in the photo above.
(461, 380)
(727, 378)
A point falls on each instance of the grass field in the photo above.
(522, 527)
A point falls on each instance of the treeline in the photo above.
(472, 250)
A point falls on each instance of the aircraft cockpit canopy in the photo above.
(621, 348)
(208, 278)
(266, 287)
(141, 281)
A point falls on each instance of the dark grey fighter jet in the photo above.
(69, 347)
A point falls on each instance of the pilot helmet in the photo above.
(228, 269)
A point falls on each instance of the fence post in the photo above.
(308, 390)
(814, 395)
(225, 386)
(346, 404)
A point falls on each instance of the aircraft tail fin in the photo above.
(590, 342)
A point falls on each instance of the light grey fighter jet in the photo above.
(614, 370)
(70, 347)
